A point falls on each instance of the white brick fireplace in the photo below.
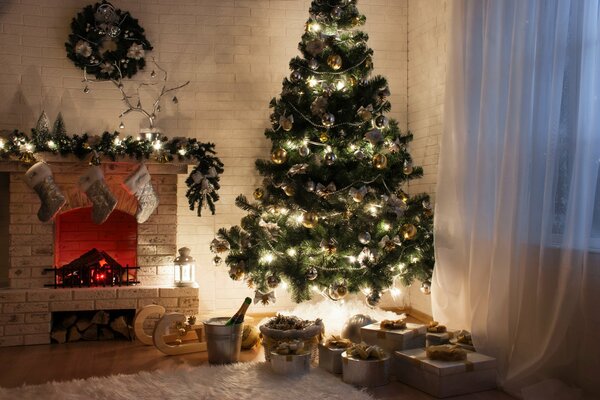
(26, 306)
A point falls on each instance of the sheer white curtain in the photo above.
(517, 217)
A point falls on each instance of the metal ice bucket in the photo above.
(223, 342)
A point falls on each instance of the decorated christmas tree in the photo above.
(331, 215)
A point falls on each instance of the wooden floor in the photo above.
(39, 364)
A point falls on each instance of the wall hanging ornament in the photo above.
(107, 42)
(139, 184)
(39, 177)
(103, 201)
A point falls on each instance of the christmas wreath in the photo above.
(107, 42)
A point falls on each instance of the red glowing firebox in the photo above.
(94, 268)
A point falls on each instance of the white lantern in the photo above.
(185, 269)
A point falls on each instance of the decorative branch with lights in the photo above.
(203, 181)
(331, 216)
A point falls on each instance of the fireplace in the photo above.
(35, 248)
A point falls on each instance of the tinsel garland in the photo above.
(202, 183)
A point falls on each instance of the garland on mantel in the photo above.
(202, 183)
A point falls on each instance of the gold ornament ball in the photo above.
(259, 193)
(286, 124)
(408, 168)
(310, 219)
(289, 190)
(338, 291)
(236, 273)
(334, 61)
(379, 161)
(250, 337)
(323, 137)
(279, 156)
(408, 231)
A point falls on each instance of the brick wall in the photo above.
(4, 216)
(427, 52)
(234, 52)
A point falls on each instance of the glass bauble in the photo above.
(426, 287)
(279, 156)
(379, 161)
(328, 119)
(217, 261)
(312, 274)
(310, 186)
(381, 121)
(334, 61)
(408, 168)
(330, 158)
(373, 299)
(273, 281)
(313, 64)
(323, 137)
(310, 219)
(289, 190)
(304, 151)
(338, 291)
(295, 76)
(364, 237)
(408, 231)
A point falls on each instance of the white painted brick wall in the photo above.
(427, 53)
(235, 53)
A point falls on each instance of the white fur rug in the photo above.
(232, 382)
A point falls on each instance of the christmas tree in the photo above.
(331, 215)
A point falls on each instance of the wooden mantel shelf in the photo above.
(68, 162)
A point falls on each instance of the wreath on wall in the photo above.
(107, 42)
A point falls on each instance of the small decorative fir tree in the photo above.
(331, 216)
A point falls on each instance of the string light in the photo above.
(157, 145)
(395, 292)
(312, 81)
(117, 141)
(1, 144)
(28, 146)
(283, 285)
(340, 85)
(182, 151)
(314, 27)
(315, 288)
(291, 252)
(373, 209)
(351, 259)
(366, 291)
(267, 258)
(51, 144)
(385, 226)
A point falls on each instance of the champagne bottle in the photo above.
(238, 317)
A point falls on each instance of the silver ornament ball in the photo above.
(217, 261)
(330, 158)
(373, 299)
(304, 151)
(352, 327)
(364, 237)
(381, 121)
(328, 119)
(426, 288)
(313, 64)
(312, 274)
(310, 186)
(273, 281)
(295, 76)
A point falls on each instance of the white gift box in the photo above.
(436, 339)
(391, 340)
(445, 378)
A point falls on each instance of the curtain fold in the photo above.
(517, 248)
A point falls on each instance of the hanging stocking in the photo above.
(103, 201)
(139, 184)
(39, 177)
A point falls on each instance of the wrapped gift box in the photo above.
(445, 378)
(398, 339)
(365, 373)
(290, 364)
(436, 339)
(330, 359)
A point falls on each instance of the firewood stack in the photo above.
(101, 325)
